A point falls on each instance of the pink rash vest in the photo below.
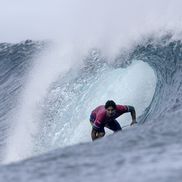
(101, 118)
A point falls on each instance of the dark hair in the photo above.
(110, 103)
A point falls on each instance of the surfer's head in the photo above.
(110, 107)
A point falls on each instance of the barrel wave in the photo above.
(147, 75)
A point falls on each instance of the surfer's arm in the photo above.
(131, 109)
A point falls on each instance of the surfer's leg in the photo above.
(97, 134)
(94, 133)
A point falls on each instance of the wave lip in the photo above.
(164, 56)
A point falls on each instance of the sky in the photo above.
(83, 20)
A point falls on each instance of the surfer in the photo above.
(105, 116)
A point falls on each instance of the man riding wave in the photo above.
(105, 116)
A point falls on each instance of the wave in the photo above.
(159, 122)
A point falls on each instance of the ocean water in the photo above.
(44, 127)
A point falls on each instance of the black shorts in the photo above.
(112, 125)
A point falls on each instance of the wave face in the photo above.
(156, 140)
(15, 61)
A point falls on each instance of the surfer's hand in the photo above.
(133, 122)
